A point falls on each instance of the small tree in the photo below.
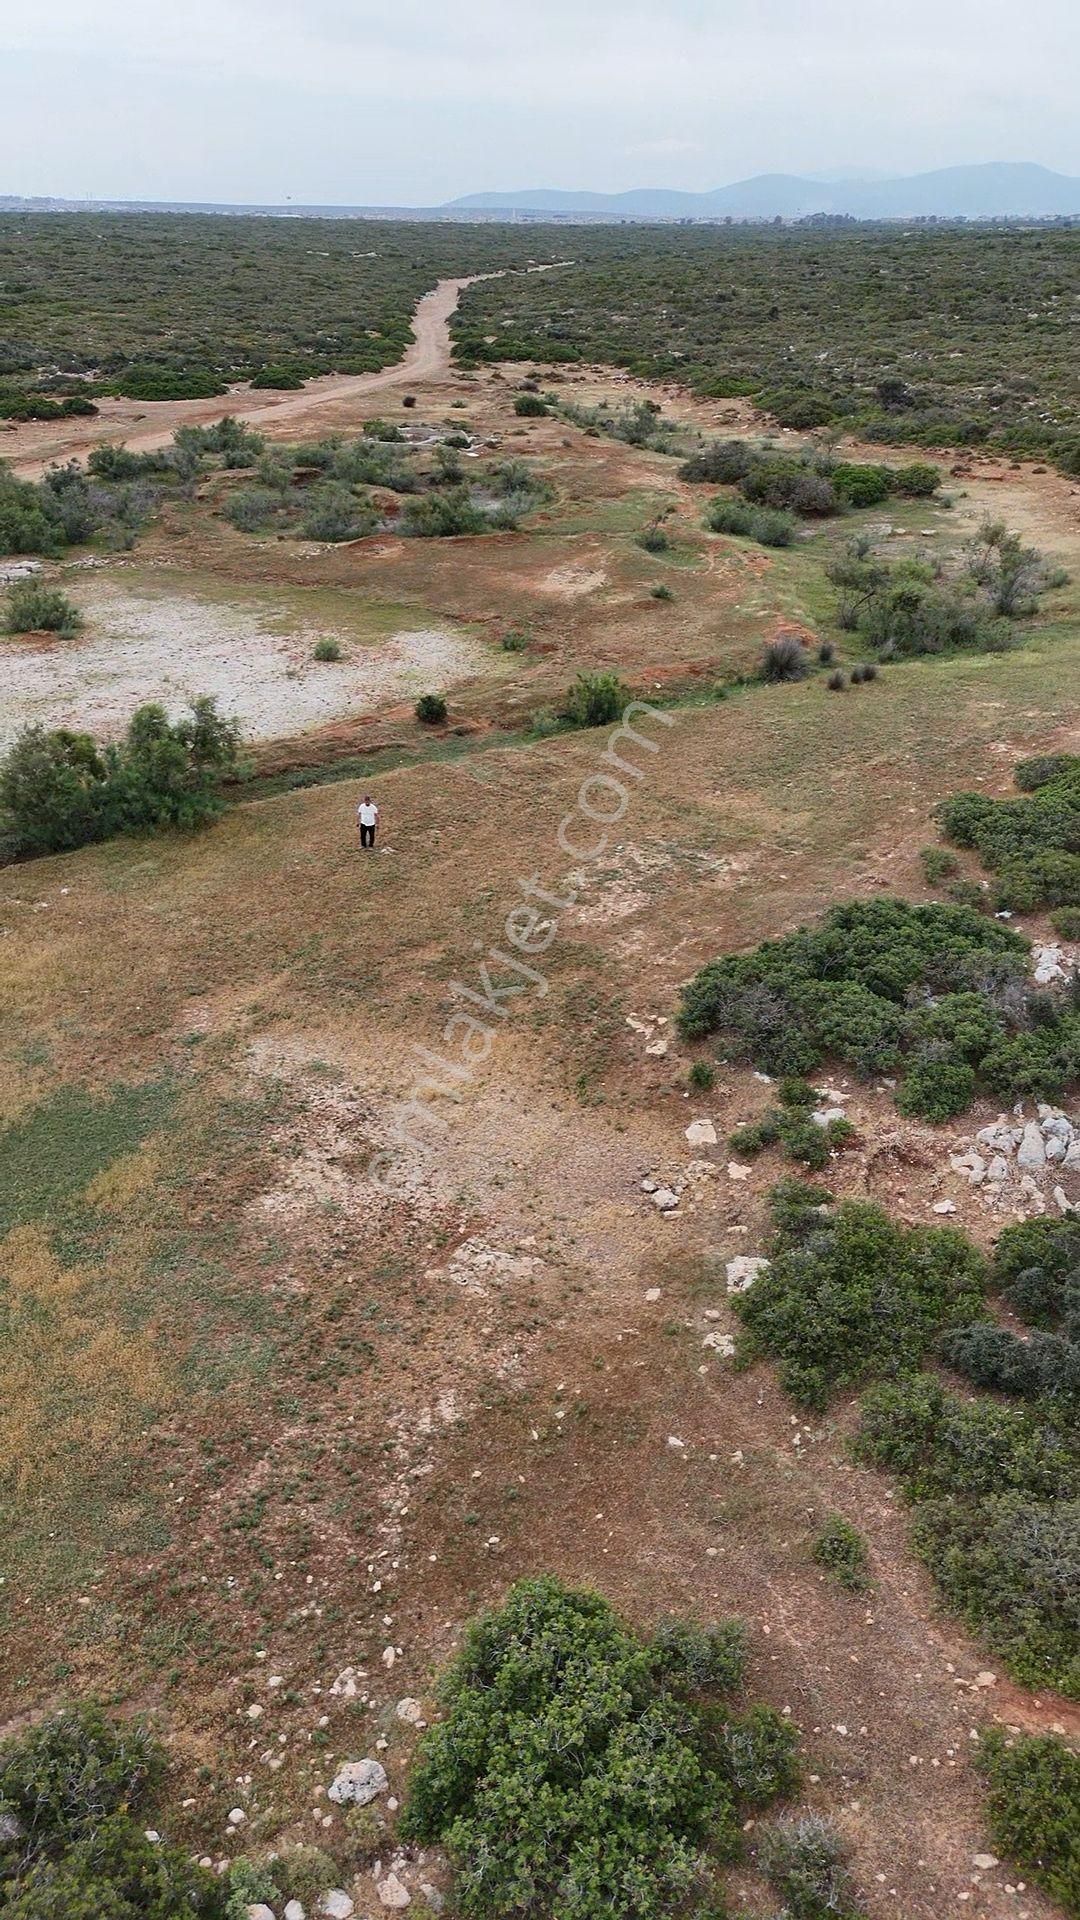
(431, 709)
(595, 700)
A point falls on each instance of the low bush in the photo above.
(443, 515)
(327, 650)
(792, 1126)
(702, 1075)
(431, 709)
(938, 992)
(938, 864)
(573, 1772)
(529, 406)
(836, 682)
(803, 1859)
(283, 379)
(758, 1753)
(61, 789)
(768, 526)
(917, 481)
(784, 658)
(721, 462)
(595, 700)
(32, 607)
(154, 382)
(72, 1792)
(514, 640)
(841, 1550)
(861, 486)
(334, 513)
(661, 592)
(849, 1294)
(252, 509)
(1033, 1806)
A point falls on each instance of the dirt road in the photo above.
(34, 445)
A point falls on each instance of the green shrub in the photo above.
(917, 481)
(442, 516)
(1066, 922)
(566, 1777)
(661, 592)
(430, 709)
(119, 1873)
(792, 1126)
(652, 540)
(514, 640)
(722, 462)
(770, 527)
(850, 1294)
(836, 682)
(696, 1659)
(251, 509)
(326, 650)
(33, 607)
(529, 406)
(332, 513)
(758, 1751)
(1033, 1804)
(938, 864)
(861, 486)
(1033, 843)
(702, 1075)
(283, 379)
(60, 789)
(595, 700)
(803, 1860)
(841, 1550)
(881, 985)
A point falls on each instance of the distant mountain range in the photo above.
(999, 190)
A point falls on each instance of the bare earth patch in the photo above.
(172, 647)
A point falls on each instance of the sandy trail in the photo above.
(33, 446)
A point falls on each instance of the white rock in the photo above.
(391, 1891)
(237, 1817)
(260, 1911)
(824, 1116)
(1031, 1151)
(985, 1861)
(737, 1172)
(336, 1905)
(998, 1170)
(1062, 1201)
(346, 1686)
(358, 1782)
(1072, 1154)
(657, 1047)
(652, 1294)
(410, 1711)
(649, 1185)
(664, 1200)
(701, 1133)
(944, 1206)
(743, 1271)
(1059, 1126)
(294, 1910)
(1055, 1148)
(721, 1343)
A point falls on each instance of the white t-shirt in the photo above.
(367, 813)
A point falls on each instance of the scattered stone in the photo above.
(346, 1686)
(736, 1172)
(743, 1270)
(237, 1817)
(944, 1206)
(336, 1905)
(410, 1711)
(664, 1199)
(649, 1185)
(357, 1783)
(701, 1133)
(657, 1047)
(998, 1170)
(260, 1911)
(720, 1343)
(824, 1116)
(972, 1165)
(294, 1910)
(652, 1294)
(1031, 1151)
(152, 1834)
(392, 1892)
(985, 1862)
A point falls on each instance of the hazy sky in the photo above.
(413, 101)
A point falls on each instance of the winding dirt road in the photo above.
(31, 447)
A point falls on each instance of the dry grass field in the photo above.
(268, 1416)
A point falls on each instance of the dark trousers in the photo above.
(367, 836)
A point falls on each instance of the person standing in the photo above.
(367, 814)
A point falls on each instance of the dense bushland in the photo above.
(1032, 844)
(938, 994)
(924, 605)
(61, 789)
(581, 1771)
(933, 336)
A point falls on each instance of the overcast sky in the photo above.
(416, 101)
